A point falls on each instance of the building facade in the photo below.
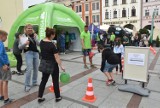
(125, 13)
(150, 6)
(89, 10)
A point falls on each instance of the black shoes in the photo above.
(58, 99)
(40, 100)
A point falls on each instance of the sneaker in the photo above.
(27, 89)
(58, 99)
(8, 101)
(19, 73)
(86, 67)
(93, 66)
(40, 100)
(35, 84)
(108, 82)
(113, 82)
(13, 72)
(1, 97)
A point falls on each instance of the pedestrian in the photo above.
(31, 56)
(86, 46)
(62, 42)
(5, 72)
(109, 61)
(119, 51)
(125, 41)
(112, 38)
(67, 40)
(49, 65)
(17, 53)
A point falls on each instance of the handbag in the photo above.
(46, 66)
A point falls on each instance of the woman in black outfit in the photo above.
(49, 53)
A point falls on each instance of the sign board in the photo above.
(136, 63)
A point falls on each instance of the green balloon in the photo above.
(64, 77)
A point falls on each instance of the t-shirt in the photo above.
(109, 56)
(87, 39)
(3, 56)
(48, 49)
(112, 38)
(67, 38)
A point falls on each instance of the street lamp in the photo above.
(152, 26)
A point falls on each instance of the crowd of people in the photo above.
(111, 47)
(48, 65)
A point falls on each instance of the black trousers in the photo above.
(120, 63)
(55, 79)
(19, 62)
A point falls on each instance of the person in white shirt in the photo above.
(119, 51)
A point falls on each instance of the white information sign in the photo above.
(136, 63)
(136, 59)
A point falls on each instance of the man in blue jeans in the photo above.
(31, 56)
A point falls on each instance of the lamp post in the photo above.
(151, 35)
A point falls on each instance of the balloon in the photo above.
(64, 77)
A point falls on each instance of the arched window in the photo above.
(133, 11)
(124, 12)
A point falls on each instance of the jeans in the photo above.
(32, 63)
(19, 62)
(55, 79)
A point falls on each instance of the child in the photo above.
(119, 51)
(109, 61)
(5, 73)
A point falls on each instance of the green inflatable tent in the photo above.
(49, 15)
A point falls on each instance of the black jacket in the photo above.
(109, 56)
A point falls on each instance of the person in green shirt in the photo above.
(86, 46)
(112, 38)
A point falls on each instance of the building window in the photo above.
(86, 7)
(146, 12)
(123, 1)
(106, 15)
(114, 2)
(95, 18)
(115, 14)
(156, 12)
(106, 3)
(76, 8)
(124, 12)
(80, 8)
(87, 20)
(97, 5)
(133, 11)
(93, 6)
(133, 1)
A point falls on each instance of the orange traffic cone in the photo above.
(122, 62)
(51, 88)
(89, 97)
(152, 50)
